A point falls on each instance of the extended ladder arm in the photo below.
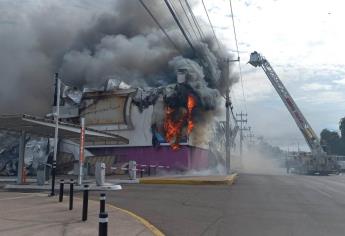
(312, 140)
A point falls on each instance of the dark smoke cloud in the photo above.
(88, 43)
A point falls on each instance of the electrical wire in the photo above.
(190, 23)
(238, 56)
(202, 36)
(180, 26)
(160, 26)
(209, 20)
(180, 19)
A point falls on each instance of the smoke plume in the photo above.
(87, 43)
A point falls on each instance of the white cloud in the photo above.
(316, 87)
(340, 81)
(303, 44)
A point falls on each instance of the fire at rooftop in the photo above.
(122, 74)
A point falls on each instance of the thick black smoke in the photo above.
(87, 45)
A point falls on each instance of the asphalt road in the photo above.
(256, 205)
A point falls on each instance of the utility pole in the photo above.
(242, 121)
(251, 136)
(228, 106)
(56, 115)
(227, 123)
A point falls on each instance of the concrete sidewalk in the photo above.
(36, 214)
(191, 180)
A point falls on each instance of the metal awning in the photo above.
(43, 127)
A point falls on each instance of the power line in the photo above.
(233, 26)
(214, 33)
(190, 23)
(238, 56)
(180, 26)
(180, 18)
(194, 19)
(159, 25)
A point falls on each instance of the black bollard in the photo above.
(103, 224)
(85, 202)
(155, 170)
(61, 190)
(52, 193)
(149, 170)
(141, 173)
(102, 203)
(71, 184)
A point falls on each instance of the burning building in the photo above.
(166, 125)
(159, 92)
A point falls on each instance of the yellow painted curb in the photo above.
(228, 180)
(146, 223)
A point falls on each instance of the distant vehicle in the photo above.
(316, 162)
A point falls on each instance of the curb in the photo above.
(146, 223)
(227, 180)
(155, 231)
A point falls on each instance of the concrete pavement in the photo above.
(36, 214)
(256, 205)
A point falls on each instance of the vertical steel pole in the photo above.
(57, 114)
(227, 124)
(241, 136)
(81, 150)
(61, 190)
(103, 224)
(71, 195)
(85, 202)
(102, 203)
(20, 175)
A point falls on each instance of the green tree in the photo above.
(342, 127)
(330, 140)
(342, 139)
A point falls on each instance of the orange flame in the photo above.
(173, 128)
(191, 103)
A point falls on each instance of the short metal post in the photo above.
(155, 170)
(103, 224)
(85, 202)
(61, 190)
(149, 170)
(53, 178)
(71, 194)
(141, 173)
(102, 203)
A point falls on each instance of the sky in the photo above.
(302, 39)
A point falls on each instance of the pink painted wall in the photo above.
(185, 158)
